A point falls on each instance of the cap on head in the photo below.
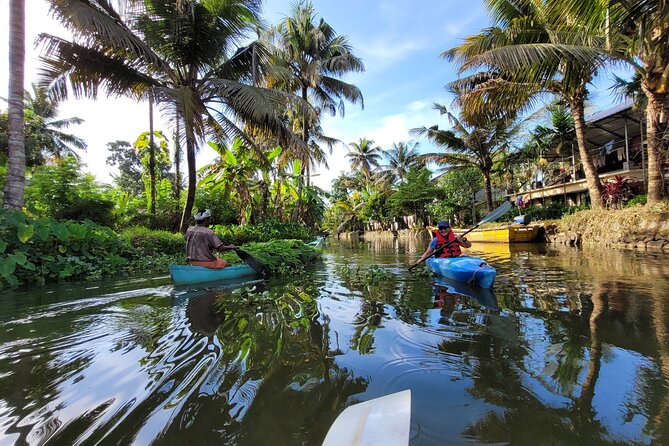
(202, 215)
(443, 224)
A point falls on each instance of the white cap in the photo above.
(202, 215)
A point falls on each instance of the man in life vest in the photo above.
(440, 243)
(202, 241)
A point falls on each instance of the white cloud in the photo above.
(388, 130)
(381, 53)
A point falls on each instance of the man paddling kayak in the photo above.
(201, 242)
(445, 243)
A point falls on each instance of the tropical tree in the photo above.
(313, 58)
(194, 75)
(237, 172)
(129, 165)
(470, 145)
(637, 32)
(531, 52)
(413, 197)
(55, 141)
(15, 184)
(364, 156)
(401, 157)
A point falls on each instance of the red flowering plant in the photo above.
(616, 191)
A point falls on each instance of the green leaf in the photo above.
(3, 246)
(18, 257)
(30, 266)
(274, 153)
(11, 280)
(7, 266)
(25, 232)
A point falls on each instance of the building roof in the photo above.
(607, 125)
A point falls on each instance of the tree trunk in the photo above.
(488, 191)
(152, 157)
(305, 137)
(591, 176)
(15, 186)
(192, 177)
(177, 160)
(655, 129)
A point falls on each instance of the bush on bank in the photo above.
(37, 251)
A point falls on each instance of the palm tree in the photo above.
(637, 32)
(469, 145)
(401, 158)
(55, 140)
(16, 174)
(531, 53)
(364, 156)
(313, 58)
(192, 74)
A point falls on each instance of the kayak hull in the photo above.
(189, 275)
(472, 270)
(381, 421)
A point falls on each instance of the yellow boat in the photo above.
(510, 234)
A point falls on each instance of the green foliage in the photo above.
(283, 256)
(458, 186)
(148, 242)
(263, 232)
(414, 196)
(34, 139)
(62, 191)
(45, 250)
(639, 199)
(129, 166)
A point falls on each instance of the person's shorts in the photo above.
(213, 264)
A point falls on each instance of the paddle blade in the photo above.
(251, 261)
(494, 215)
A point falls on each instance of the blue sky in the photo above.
(398, 40)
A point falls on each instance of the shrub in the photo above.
(262, 232)
(149, 242)
(639, 199)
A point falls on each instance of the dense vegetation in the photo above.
(259, 107)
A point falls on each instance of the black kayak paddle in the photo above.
(251, 261)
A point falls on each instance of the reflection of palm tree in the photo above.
(660, 318)
(584, 402)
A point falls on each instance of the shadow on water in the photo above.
(570, 347)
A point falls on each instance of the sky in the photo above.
(399, 41)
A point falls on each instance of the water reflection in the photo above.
(570, 347)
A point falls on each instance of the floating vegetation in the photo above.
(373, 275)
(295, 305)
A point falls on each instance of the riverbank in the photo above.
(638, 227)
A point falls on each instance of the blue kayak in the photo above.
(188, 275)
(471, 270)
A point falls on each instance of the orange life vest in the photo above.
(452, 250)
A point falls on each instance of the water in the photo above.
(572, 347)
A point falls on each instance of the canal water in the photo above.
(571, 347)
